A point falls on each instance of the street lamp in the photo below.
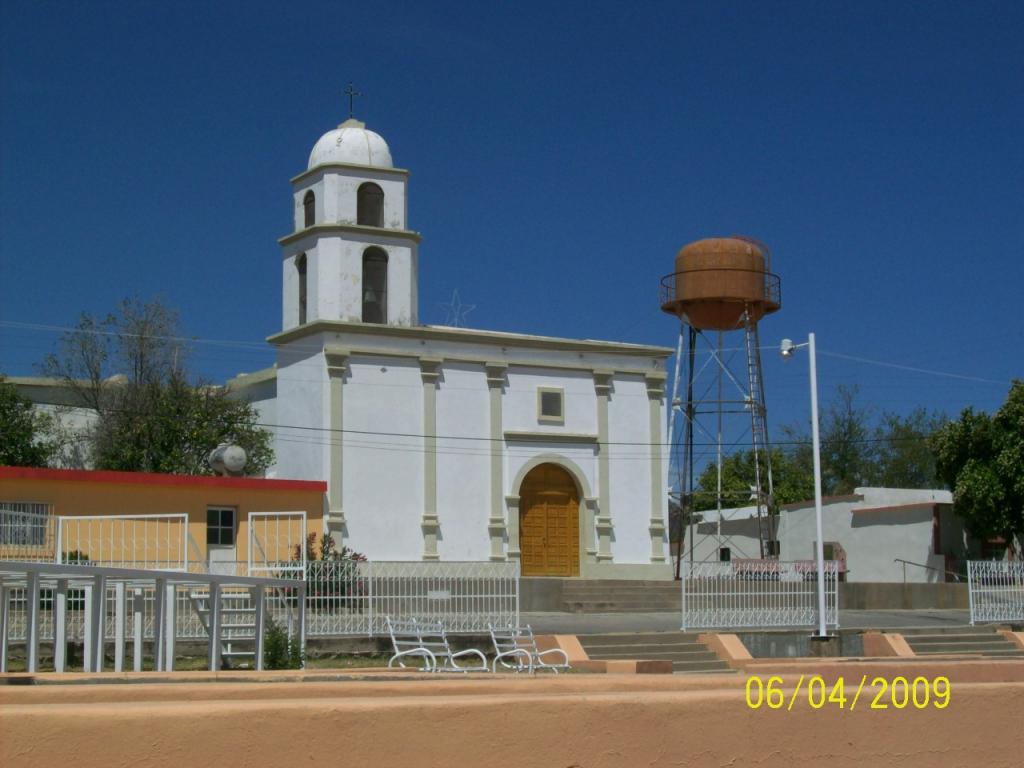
(786, 349)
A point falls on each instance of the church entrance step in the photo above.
(683, 649)
(976, 641)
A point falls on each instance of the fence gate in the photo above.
(277, 544)
(995, 589)
(757, 593)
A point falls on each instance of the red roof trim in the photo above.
(152, 478)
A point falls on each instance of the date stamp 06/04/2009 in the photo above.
(883, 693)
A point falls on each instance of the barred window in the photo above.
(24, 523)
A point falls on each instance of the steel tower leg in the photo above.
(763, 490)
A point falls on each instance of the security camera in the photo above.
(786, 348)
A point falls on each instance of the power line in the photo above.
(912, 369)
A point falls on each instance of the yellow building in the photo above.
(138, 519)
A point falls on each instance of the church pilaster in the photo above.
(603, 520)
(336, 359)
(656, 527)
(496, 526)
(512, 504)
(430, 372)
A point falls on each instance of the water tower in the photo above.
(720, 290)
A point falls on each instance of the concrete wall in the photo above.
(383, 473)
(875, 527)
(910, 596)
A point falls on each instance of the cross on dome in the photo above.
(351, 93)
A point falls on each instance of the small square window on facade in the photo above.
(220, 526)
(550, 405)
(725, 554)
(772, 548)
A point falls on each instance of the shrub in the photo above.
(340, 579)
(280, 651)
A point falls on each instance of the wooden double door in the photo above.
(549, 523)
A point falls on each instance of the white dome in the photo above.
(352, 143)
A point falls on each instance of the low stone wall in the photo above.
(546, 594)
(879, 596)
(799, 643)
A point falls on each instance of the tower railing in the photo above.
(671, 282)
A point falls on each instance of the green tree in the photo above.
(792, 480)
(130, 367)
(981, 458)
(854, 452)
(847, 459)
(903, 456)
(27, 433)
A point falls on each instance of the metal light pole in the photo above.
(787, 349)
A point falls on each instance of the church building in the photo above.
(445, 443)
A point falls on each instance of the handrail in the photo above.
(922, 565)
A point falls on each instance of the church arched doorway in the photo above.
(549, 523)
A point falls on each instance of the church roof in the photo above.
(351, 143)
(472, 336)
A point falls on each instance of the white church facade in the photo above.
(444, 443)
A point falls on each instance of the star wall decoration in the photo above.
(455, 311)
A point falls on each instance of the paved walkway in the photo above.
(588, 623)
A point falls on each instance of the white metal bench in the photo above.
(515, 648)
(429, 641)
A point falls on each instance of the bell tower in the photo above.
(350, 256)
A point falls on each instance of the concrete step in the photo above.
(998, 653)
(638, 653)
(646, 648)
(683, 649)
(979, 641)
(954, 649)
(926, 640)
(644, 638)
(959, 629)
(704, 667)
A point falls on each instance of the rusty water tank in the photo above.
(717, 279)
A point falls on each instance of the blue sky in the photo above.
(560, 155)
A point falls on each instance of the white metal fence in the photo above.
(52, 601)
(757, 593)
(128, 541)
(350, 597)
(343, 598)
(996, 590)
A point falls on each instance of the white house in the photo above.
(442, 443)
(871, 531)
